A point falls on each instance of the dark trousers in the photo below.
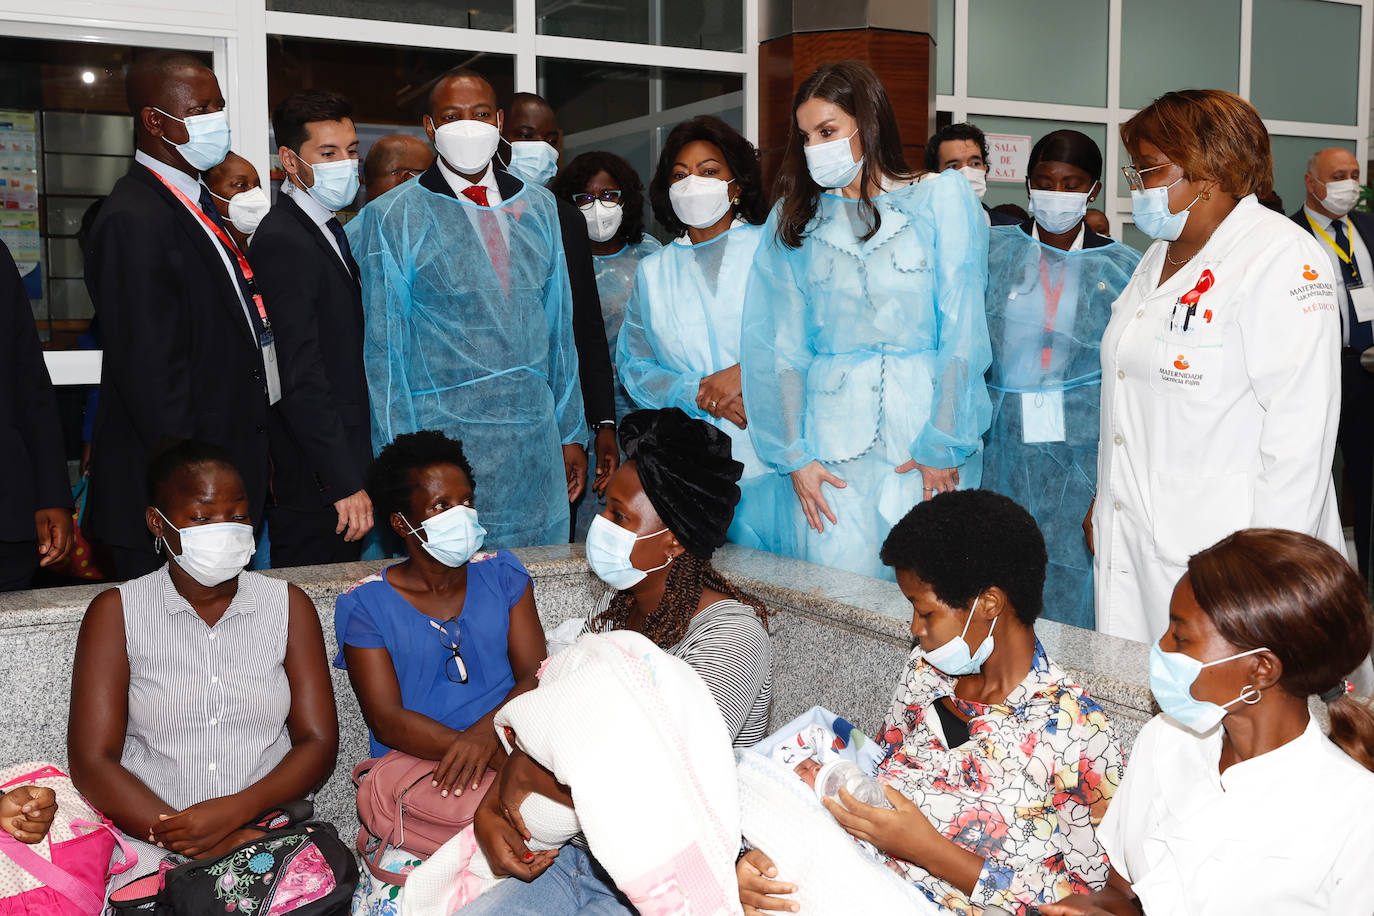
(18, 563)
(1356, 438)
(305, 537)
(132, 562)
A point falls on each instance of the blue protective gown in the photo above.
(1045, 381)
(615, 277)
(682, 323)
(483, 354)
(863, 355)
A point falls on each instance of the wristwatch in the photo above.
(604, 424)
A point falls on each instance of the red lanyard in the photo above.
(228, 243)
(1052, 295)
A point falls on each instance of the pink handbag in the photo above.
(398, 806)
(66, 873)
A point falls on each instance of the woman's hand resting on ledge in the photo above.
(759, 886)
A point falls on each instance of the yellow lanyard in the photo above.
(1343, 255)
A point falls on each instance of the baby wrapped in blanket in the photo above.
(638, 740)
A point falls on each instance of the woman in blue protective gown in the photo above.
(1051, 284)
(680, 343)
(611, 197)
(864, 338)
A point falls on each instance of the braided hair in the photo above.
(688, 577)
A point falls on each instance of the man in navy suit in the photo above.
(964, 147)
(1333, 188)
(320, 433)
(187, 353)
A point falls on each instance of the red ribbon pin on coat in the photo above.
(1191, 297)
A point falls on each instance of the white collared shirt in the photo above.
(319, 214)
(459, 184)
(191, 188)
(1363, 263)
(1077, 240)
(494, 200)
(1285, 832)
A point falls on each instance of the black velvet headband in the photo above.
(687, 472)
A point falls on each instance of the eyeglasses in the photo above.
(406, 173)
(1133, 175)
(454, 666)
(584, 201)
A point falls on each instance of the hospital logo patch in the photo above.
(1308, 273)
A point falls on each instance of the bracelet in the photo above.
(604, 424)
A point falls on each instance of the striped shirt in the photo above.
(726, 644)
(207, 705)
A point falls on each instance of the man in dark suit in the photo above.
(187, 355)
(964, 147)
(319, 434)
(35, 501)
(532, 123)
(1333, 188)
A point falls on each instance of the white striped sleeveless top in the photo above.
(207, 705)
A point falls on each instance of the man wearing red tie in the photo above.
(189, 351)
(469, 321)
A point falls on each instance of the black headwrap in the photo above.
(687, 473)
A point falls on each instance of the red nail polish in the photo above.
(529, 856)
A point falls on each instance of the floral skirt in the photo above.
(377, 898)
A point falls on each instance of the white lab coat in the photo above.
(1228, 425)
(1286, 833)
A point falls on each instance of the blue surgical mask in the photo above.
(336, 183)
(1058, 211)
(533, 161)
(1171, 681)
(954, 657)
(452, 536)
(832, 163)
(608, 553)
(207, 138)
(1150, 210)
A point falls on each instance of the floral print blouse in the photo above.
(1026, 791)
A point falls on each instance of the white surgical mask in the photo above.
(1058, 211)
(533, 161)
(1341, 196)
(452, 536)
(207, 138)
(214, 553)
(832, 163)
(467, 145)
(977, 177)
(247, 208)
(603, 220)
(336, 183)
(700, 201)
(954, 657)
(608, 554)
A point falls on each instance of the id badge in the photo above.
(1042, 416)
(1362, 297)
(271, 374)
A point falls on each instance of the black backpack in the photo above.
(303, 869)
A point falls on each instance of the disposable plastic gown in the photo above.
(863, 355)
(484, 355)
(615, 277)
(682, 323)
(1045, 382)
